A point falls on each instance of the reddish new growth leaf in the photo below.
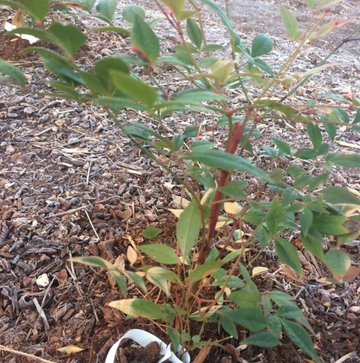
(140, 54)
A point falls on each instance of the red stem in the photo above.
(224, 177)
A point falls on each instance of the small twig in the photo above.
(92, 226)
(88, 173)
(41, 314)
(30, 356)
(67, 212)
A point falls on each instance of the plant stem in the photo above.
(226, 282)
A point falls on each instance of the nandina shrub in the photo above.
(322, 216)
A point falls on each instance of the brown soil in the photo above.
(11, 47)
(67, 177)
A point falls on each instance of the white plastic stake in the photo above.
(144, 338)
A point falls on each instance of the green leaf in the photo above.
(295, 171)
(261, 45)
(207, 62)
(276, 217)
(276, 175)
(234, 281)
(160, 253)
(246, 298)
(93, 261)
(313, 243)
(204, 270)
(151, 232)
(37, 33)
(330, 129)
(234, 189)
(36, 8)
(144, 39)
(110, 29)
(13, 4)
(300, 337)
(134, 88)
(282, 146)
(265, 339)
(305, 154)
(227, 323)
(357, 117)
(160, 277)
(103, 66)
(194, 32)
(289, 311)
(302, 180)
(346, 160)
(222, 160)
(136, 279)
(254, 217)
(129, 12)
(174, 335)
(305, 218)
(139, 307)
(211, 47)
(314, 134)
(107, 8)
(188, 228)
(272, 152)
(69, 38)
(50, 54)
(280, 297)
(275, 325)
(234, 37)
(338, 195)
(180, 48)
(194, 95)
(338, 262)
(264, 66)
(120, 280)
(289, 21)
(64, 87)
(287, 252)
(250, 318)
(334, 225)
(13, 72)
(327, 3)
(318, 180)
(94, 82)
(176, 6)
(310, 3)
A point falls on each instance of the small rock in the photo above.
(9, 149)
(73, 140)
(107, 175)
(28, 201)
(12, 115)
(29, 110)
(43, 281)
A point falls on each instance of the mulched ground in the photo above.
(72, 185)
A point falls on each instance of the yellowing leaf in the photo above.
(221, 70)
(327, 28)
(131, 255)
(204, 199)
(176, 212)
(69, 349)
(183, 203)
(232, 208)
(327, 3)
(259, 271)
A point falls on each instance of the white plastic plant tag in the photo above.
(144, 338)
(31, 39)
